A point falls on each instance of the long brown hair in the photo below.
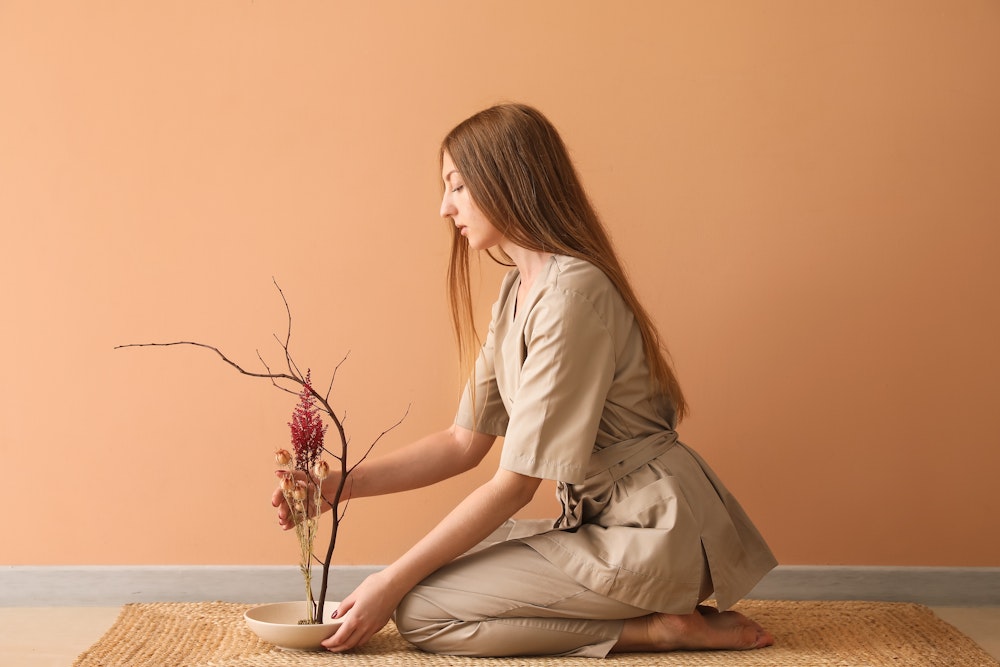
(519, 173)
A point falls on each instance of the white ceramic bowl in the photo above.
(278, 624)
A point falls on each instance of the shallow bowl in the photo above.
(278, 624)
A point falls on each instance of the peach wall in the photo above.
(806, 194)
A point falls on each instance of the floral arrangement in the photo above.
(305, 469)
(305, 498)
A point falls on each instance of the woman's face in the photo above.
(457, 204)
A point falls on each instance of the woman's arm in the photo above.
(429, 460)
(482, 512)
(472, 521)
(426, 461)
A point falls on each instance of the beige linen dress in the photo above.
(645, 522)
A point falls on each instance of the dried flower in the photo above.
(299, 492)
(307, 428)
(282, 457)
(321, 470)
(288, 483)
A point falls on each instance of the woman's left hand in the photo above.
(365, 612)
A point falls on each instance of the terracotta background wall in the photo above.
(806, 194)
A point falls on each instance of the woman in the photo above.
(573, 376)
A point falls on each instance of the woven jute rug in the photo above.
(807, 634)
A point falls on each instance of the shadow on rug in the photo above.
(807, 634)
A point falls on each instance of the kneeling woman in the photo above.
(573, 376)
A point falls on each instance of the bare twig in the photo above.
(375, 441)
(288, 330)
(333, 376)
(273, 376)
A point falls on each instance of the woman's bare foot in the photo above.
(728, 630)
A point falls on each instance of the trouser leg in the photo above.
(508, 600)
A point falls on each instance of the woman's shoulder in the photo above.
(574, 285)
(573, 274)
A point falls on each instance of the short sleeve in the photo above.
(487, 413)
(563, 385)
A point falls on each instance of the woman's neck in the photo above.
(529, 263)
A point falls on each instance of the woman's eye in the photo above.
(458, 188)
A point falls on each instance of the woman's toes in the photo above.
(732, 630)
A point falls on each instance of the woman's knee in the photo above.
(418, 619)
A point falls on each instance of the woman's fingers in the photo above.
(343, 608)
(341, 639)
(278, 500)
(352, 633)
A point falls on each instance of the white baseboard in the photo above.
(110, 585)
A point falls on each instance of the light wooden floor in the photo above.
(55, 636)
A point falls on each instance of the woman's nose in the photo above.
(447, 207)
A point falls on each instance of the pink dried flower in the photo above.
(307, 428)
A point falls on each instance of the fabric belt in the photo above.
(624, 458)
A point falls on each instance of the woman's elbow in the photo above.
(470, 447)
(517, 488)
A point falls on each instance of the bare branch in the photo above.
(380, 435)
(273, 376)
(288, 310)
(292, 368)
(275, 382)
(334, 376)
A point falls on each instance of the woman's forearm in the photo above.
(431, 459)
(472, 521)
